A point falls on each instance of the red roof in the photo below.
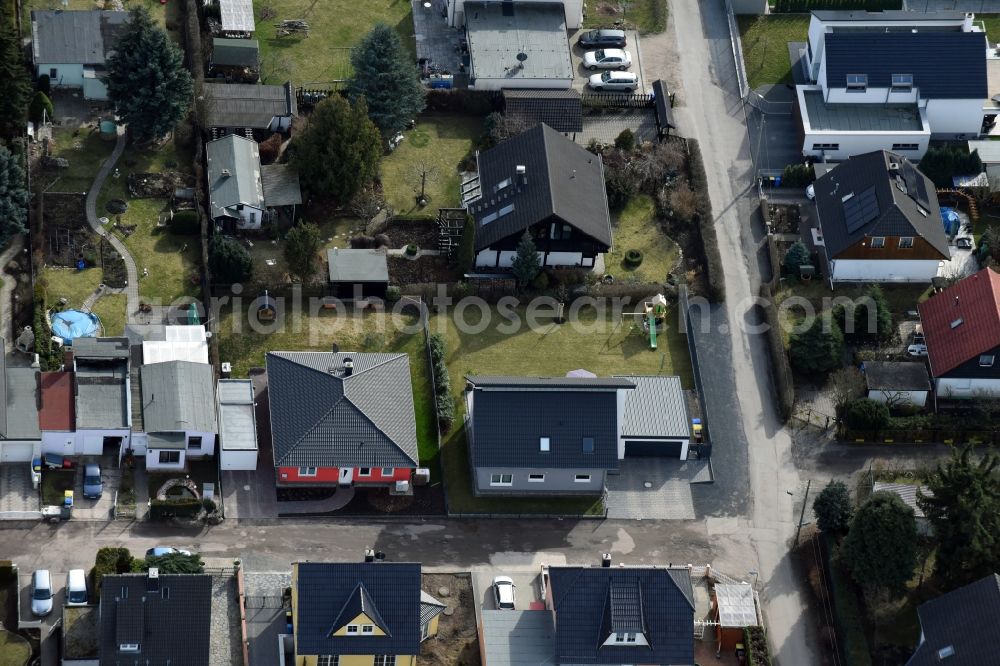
(57, 402)
(962, 322)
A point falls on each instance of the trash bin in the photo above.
(68, 499)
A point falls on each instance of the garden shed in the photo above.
(356, 274)
(237, 425)
(734, 609)
(897, 383)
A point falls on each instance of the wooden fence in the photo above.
(618, 100)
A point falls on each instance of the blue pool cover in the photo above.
(72, 324)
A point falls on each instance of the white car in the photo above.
(607, 59)
(614, 81)
(41, 592)
(503, 592)
(917, 350)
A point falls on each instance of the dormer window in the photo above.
(857, 82)
(544, 444)
(368, 629)
(128, 647)
(905, 242)
(352, 629)
(902, 82)
(878, 241)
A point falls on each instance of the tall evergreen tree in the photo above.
(339, 150)
(833, 508)
(880, 549)
(13, 196)
(15, 78)
(526, 264)
(963, 507)
(147, 79)
(386, 77)
(302, 245)
(819, 348)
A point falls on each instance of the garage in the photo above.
(654, 421)
(649, 448)
(11, 452)
(237, 425)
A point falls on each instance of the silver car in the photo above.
(614, 81)
(41, 592)
(607, 59)
(93, 486)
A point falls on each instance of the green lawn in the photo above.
(54, 484)
(992, 23)
(73, 285)
(323, 56)
(370, 332)
(639, 14)
(636, 228)
(439, 142)
(110, 308)
(14, 650)
(270, 270)
(765, 46)
(553, 350)
(85, 151)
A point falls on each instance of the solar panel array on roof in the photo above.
(915, 187)
(626, 606)
(860, 209)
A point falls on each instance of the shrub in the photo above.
(541, 281)
(625, 141)
(443, 401)
(684, 202)
(392, 294)
(819, 348)
(363, 242)
(269, 149)
(797, 175)
(185, 223)
(40, 107)
(706, 225)
(187, 507)
(209, 505)
(633, 258)
(411, 250)
(941, 163)
(867, 414)
(382, 240)
(445, 410)
(110, 561)
(43, 85)
(228, 260)
(796, 257)
(755, 639)
(833, 508)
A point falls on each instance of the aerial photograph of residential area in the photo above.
(499, 332)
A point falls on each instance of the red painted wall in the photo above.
(329, 475)
(399, 474)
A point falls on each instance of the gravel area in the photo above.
(225, 648)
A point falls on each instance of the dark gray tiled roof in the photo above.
(326, 589)
(897, 214)
(247, 104)
(509, 422)
(102, 393)
(575, 383)
(326, 419)
(74, 37)
(656, 408)
(900, 16)
(356, 265)
(591, 602)
(101, 348)
(178, 395)
(429, 608)
(360, 601)
(281, 185)
(967, 620)
(944, 65)
(897, 376)
(562, 110)
(234, 174)
(235, 52)
(563, 180)
(170, 621)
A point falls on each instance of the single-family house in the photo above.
(357, 273)
(20, 435)
(879, 221)
(543, 435)
(240, 107)
(178, 413)
(242, 193)
(237, 425)
(341, 418)
(962, 333)
(897, 384)
(70, 47)
(621, 615)
(457, 11)
(960, 627)
(539, 57)
(102, 394)
(155, 618)
(545, 184)
(237, 59)
(365, 613)
(891, 80)
(562, 110)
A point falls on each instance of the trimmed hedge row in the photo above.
(784, 383)
(786, 6)
(188, 507)
(443, 401)
(706, 224)
(755, 639)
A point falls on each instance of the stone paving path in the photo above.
(131, 289)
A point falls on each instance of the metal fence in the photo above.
(617, 100)
(263, 602)
(737, 47)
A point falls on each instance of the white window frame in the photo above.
(353, 629)
(168, 453)
(388, 471)
(384, 660)
(536, 478)
(328, 660)
(498, 479)
(364, 471)
(544, 444)
(877, 242)
(128, 647)
(368, 629)
(902, 82)
(582, 478)
(987, 360)
(857, 82)
(308, 471)
(906, 246)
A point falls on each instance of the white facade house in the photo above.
(891, 81)
(178, 413)
(456, 12)
(70, 48)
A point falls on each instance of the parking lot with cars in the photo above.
(583, 71)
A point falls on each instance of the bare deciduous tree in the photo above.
(846, 385)
(368, 203)
(684, 202)
(419, 174)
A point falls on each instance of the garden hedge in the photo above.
(110, 561)
(784, 382)
(188, 507)
(706, 224)
(443, 401)
(801, 6)
(185, 223)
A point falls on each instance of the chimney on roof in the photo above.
(369, 555)
(956, 300)
(153, 580)
(226, 173)
(348, 367)
(606, 560)
(522, 174)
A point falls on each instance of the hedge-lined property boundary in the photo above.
(801, 6)
(706, 224)
(443, 401)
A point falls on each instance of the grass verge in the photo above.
(765, 46)
(646, 16)
(110, 308)
(55, 483)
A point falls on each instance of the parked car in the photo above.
(964, 243)
(607, 59)
(93, 486)
(160, 551)
(614, 81)
(918, 335)
(41, 592)
(917, 350)
(76, 588)
(605, 37)
(503, 592)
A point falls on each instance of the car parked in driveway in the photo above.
(41, 592)
(607, 59)
(160, 551)
(76, 588)
(917, 350)
(93, 486)
(605, 37)
(504, 592)
(614, 82)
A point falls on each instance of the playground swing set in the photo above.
(652, 318)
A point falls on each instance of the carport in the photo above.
(357, 273)
(654, 420)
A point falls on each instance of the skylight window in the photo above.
(857, 82)
(504, 183)
(958, 322)
(902, 82)
(544, 444)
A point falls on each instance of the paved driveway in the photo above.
(16, 493)
(265, 614)
(99, 509)
(650, 489)
(583, 74)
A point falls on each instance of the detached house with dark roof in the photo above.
(242, 193)
(962, 333)
(621, 615)
(960, 628)
(243, 107)
(341, 418)
(543, 183)
(70, 47)
(360, 613)
(879, 221)
(891, 80)
(179, 414)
